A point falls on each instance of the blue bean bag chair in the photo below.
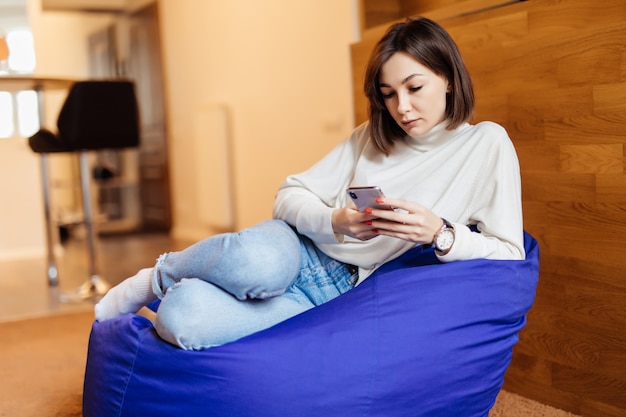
(418, 338)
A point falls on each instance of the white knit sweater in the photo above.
(469, 175)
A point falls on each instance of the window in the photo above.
(19, 113)
(21, 51)
(27, 113)
(6, 114)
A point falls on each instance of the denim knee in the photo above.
(265, 261)
(258, 262)
(195, 315)
(185, 319)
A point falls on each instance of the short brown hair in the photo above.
(431, 46)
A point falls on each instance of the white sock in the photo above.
(127, 297)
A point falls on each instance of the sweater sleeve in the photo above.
(496, 209)
(307, 200)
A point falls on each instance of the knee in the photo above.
(188, 318)
(267, 262)
(168, 327)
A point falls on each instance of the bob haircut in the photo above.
(431, 46)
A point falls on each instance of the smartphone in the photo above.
(364, 197)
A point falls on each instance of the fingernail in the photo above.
(380, 200)
(368, 222)
(368, 210)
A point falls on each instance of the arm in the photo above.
(307, 200)
(496, 209)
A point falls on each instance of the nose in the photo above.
(404, 104)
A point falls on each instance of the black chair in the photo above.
(96, 115)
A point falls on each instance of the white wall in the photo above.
(21, 210)
(281, 67)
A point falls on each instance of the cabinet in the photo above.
(144, 65)
(133, 190)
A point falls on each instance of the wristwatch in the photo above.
(444, 239)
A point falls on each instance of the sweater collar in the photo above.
(435, 137)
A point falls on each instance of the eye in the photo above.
(415, 89)
(387, 95)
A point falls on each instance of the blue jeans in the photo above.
(234, 284)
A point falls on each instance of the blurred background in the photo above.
(233, 97)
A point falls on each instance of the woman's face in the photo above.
(414, 95)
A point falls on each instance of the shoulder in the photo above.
(490, 134)
(359, 137)
(361, 133)
(491, 129)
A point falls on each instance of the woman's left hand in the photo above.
(413, 222)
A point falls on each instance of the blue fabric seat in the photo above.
(418, 338)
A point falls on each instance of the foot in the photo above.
(127, 297)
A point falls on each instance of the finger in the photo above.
(367, 234)
(387, 215)
(401, 205)
(393, 202)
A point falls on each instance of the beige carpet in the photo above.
(42, 365)
(513, 405)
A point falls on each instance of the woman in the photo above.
(417, 146)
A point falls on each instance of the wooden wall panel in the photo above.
(379, 12)
(443, 9)
(553, 73)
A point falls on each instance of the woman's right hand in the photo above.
(350, 222)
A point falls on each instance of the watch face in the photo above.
(445, 239)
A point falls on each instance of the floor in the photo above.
(24, 289)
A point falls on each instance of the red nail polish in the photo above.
(380, 200)
(368, 210)
(368, 222)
